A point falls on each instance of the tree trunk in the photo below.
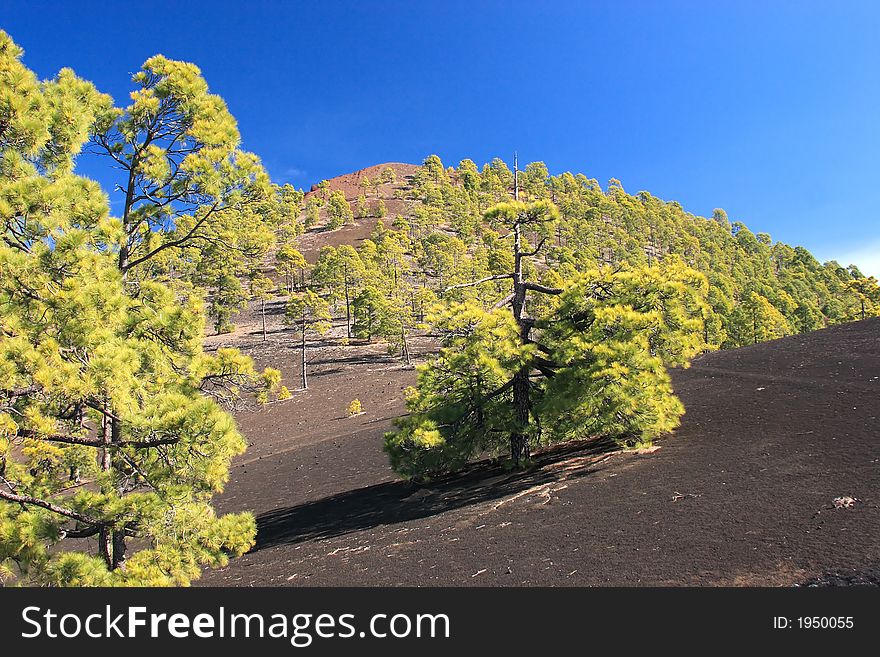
(119, 549)
(123, 258)
(519, 440)
(347, 311)
(105, 545)
(106, 439)
(263, 315)
(406, 357)
(109, 431)
(125, 250)
(305, 381)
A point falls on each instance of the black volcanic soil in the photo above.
(742, 494)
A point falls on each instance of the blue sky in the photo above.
(767, 109)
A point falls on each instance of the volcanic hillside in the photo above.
(772, 479)
(350, 185)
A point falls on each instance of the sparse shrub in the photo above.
(355, 408)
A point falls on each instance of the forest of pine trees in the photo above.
(557, 308)
(551, 296)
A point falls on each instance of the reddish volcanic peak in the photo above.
(349, 183)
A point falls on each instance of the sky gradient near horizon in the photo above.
(766, 109)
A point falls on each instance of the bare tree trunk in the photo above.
(406, 356)
(105, 535)
(105, 545)
(347, 311)
(263, 315)
(80, 418)
(119, 549)
(106, 439)
(515, 177)
(519, 440)
(305, 381)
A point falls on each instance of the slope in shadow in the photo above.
(394, 502)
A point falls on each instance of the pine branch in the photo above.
(91, 441)
(81, 533)
(150, 442)
(537, 248)
(64, 438)
(506, 300)
(43, 504)
(507, 386)
(543, 288)
(546, 367)
(173, 243)
(497, 277)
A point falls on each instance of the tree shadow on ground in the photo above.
(360, 359)
(274, 308)
(394, 502)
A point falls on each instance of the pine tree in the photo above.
(323, 189)
(338, 211)
(313, 211)
(185, 180)
(309, 313)
(433, 169)
(519, 217)
(112, 427)
(757, 320)
(516, 218)
(113, 420)
(260, 287)
(341, 271)
(597, 367)
(362, 211)
(493, 372)
(365, 184)
(290, 264)
(388, 176)
(399, 319)
(290, 202)
(866, 292)
(227, 298)
(535, 181)
(370, 310)
(608, 346)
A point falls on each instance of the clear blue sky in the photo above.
(768, 109)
